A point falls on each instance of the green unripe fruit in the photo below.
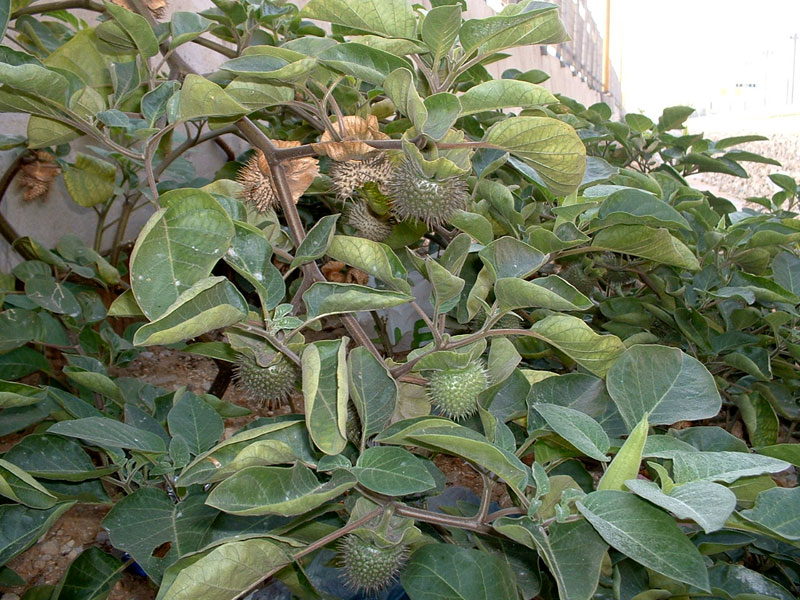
(609, 259)
(509, 321)
(455, 391)
(270, 386)
(360, 218)
(369, 567)
(353, 425)
(575, 275)
(350, 175)
(432, 201)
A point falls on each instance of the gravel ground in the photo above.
(783, 145)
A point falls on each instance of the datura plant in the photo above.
(599, 395)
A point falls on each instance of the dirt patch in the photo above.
(78, 529)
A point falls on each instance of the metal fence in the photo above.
(583, 55)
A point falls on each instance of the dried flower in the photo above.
(36, 174)
(355, 128)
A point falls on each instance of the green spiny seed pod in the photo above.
(575, 275)
(271, 386)
(609, 259)
(350, 175)
(509, 321)
(432, 201)
(455, 391)
(353, 426)
(360, 218)
(369, 567)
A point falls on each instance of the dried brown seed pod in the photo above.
(360, 218)
(36, 175)
(351, 146)
(258, 188)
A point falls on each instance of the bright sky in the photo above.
(696, 51)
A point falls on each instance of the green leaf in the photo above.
(362, 62)
(509, 257)
(186, 26)
(776, 509)
(178, 247)
(573, 552)
(91, 576)
(443, 110)
(196, 422)
(786, 271)
(384, 17)
(635, 207)
(22, 526)
(227, 572)
(373, 258)
(250, 255)
(550, 292)
(737, 581)
(53, 296)
(201, 98)
(136, 27)
(392, 471)
(474, 224)
(325, 298)
(446, 286)
(579, 429)
(441, 434)
(182, 525)
(673, 117)
(154, 103)
(577, 340)
(653, 244)
(550, 147)
(317, 241)
(639, 123)
(626, 463)
(18, 326)
(499, 94)
(102, 431)
(663, 384)
(722, 466)
(35, 79)
(286, 491)
(326, 389)
(5, 14)
(19, 363)
(646, 534)
(261, 62)
(20, 487)
(90, 180)
(19, 394)
(399, 86)
(449, 572)
(707, 504)
(254, 95)
(53, 457)
(440, 29)
(220, 461)
(209, 304)
(516, 25)
(373, 391)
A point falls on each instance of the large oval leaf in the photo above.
(325, 389)
(551, 147)
(646, 534)
(283, 491)
(178, 247)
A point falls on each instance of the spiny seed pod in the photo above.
(353, 426)
(256, 178)
(360, 218)
(509, 321)
(271, 386)
(575, 275)
(350, 175)
(368, 567)
(455, 391)
(613, 275)
(415, 196)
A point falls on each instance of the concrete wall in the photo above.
(57, 214)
